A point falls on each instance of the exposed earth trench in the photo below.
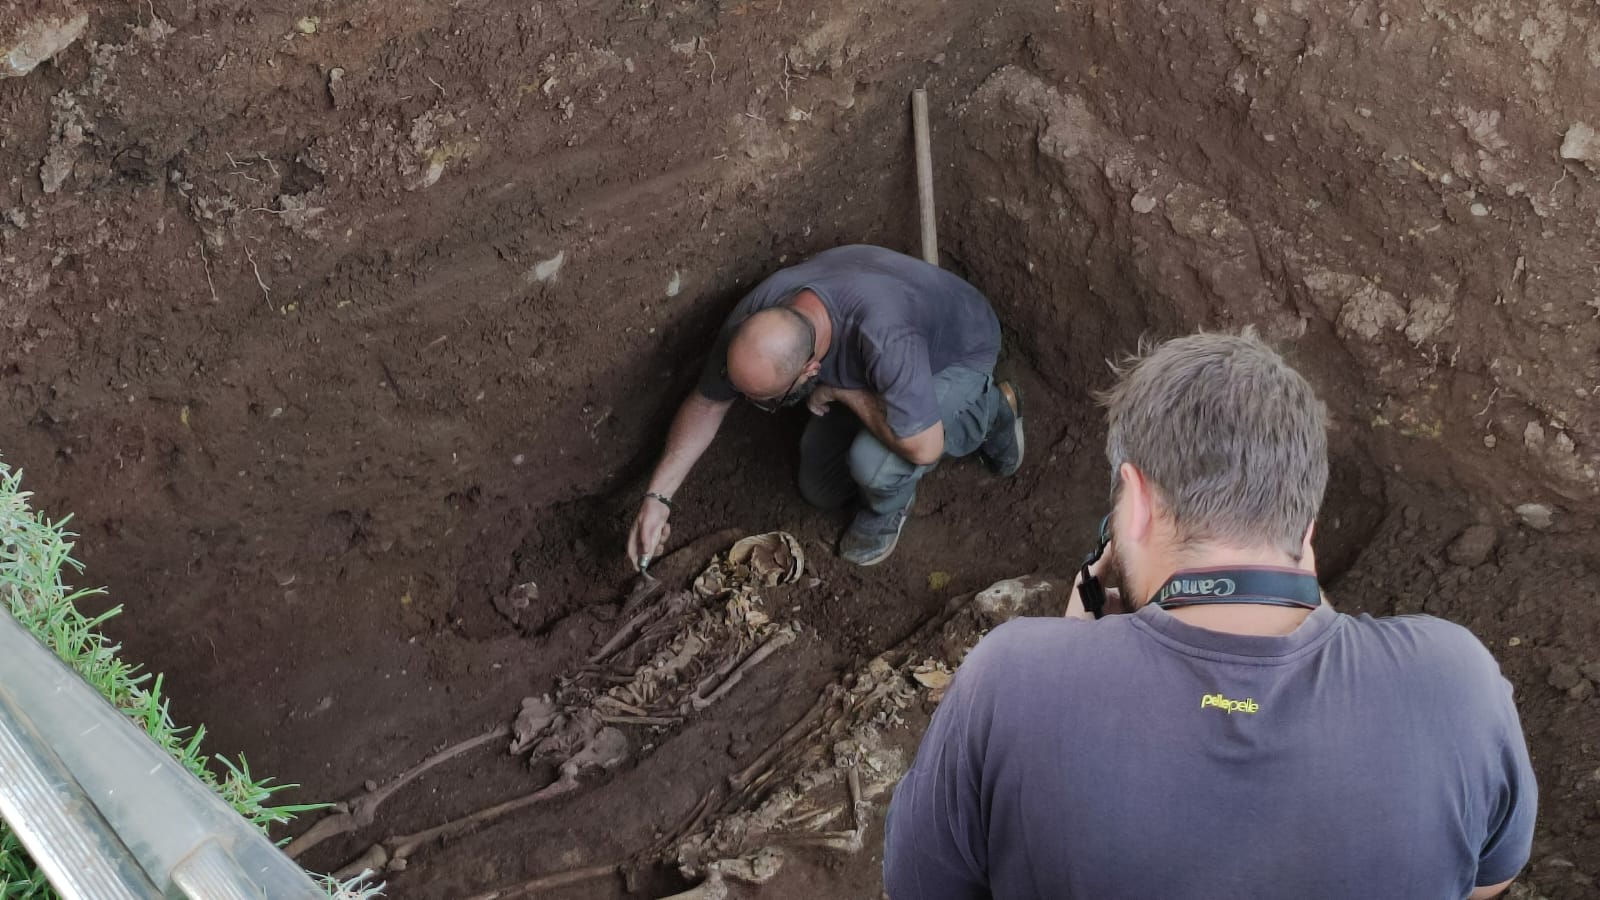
(333, 324)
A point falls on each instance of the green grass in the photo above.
(35, 558)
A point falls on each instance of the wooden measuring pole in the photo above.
(919, 123)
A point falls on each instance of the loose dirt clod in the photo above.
(1582, 143)
(1473, 546)
(27, 43)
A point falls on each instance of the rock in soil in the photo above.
(1582, 144)
(25, 43)
(1565, 677)
(1536, 515)
(1473, 546)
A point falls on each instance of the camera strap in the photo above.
(1262, 585)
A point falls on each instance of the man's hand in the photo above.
(822, 396)
(925, 448)
(693, 428)
(1075, 607)
(650, 531)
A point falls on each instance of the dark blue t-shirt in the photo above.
(897, 322)
(1141, 757)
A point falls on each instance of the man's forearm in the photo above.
(692, 430)
(922, 449)
(868, 407)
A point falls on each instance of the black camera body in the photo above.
(1090, 590)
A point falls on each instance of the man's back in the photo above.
(879, 300)
(1142, 757)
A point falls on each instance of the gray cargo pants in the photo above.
(839, 458)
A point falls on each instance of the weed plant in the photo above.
(35, 554)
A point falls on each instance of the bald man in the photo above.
(895, 360)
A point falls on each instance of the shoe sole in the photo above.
(1013, 398)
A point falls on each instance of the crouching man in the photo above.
(895, 359)
(1233, 736)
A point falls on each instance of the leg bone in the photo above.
(359, 812)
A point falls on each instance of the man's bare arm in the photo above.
(923, 448)
(693, 428)
(1489, 892)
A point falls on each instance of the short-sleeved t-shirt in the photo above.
(897, 321)
(1142, 757)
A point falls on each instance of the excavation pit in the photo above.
(352, 363)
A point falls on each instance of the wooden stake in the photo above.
(919, 121)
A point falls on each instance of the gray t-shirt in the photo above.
(1142, 757)
(896, 322)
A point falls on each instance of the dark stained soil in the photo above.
(332, 323)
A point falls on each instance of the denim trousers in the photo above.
(841, 459)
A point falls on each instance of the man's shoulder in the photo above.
(1427, 649)
(1029, 644)
(1424, 633)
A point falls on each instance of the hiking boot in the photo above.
(872, 537)
(1002, 449)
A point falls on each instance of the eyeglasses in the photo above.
(772, 406)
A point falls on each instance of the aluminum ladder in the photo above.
(104, 811)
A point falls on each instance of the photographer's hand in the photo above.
(1075, 607)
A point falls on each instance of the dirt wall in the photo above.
(1401, 194)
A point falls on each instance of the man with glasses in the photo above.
(895, 360)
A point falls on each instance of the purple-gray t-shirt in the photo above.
(1142, 757)
(897, 322)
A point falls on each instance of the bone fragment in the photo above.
(536, 717)
(771, 646)
(795, 732)
(548, 883)
(605, 750)
(360, 811)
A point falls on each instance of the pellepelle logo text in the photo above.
(1217, 701)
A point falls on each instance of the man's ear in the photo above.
(1308, 556)
(811, 369)
(1137, 511)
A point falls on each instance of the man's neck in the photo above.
(1238, 618)
(808, 304)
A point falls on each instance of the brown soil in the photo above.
(329, 339)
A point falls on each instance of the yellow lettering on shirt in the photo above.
(1217, 701)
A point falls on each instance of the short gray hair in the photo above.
(1232, 438)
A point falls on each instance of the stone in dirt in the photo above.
(26, 44)
(1533, 436)
(1582, 143)
(1591, 671)
(1473, 546)
(1565, 677)
(1536, 515)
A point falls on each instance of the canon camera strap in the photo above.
(1264, 585)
